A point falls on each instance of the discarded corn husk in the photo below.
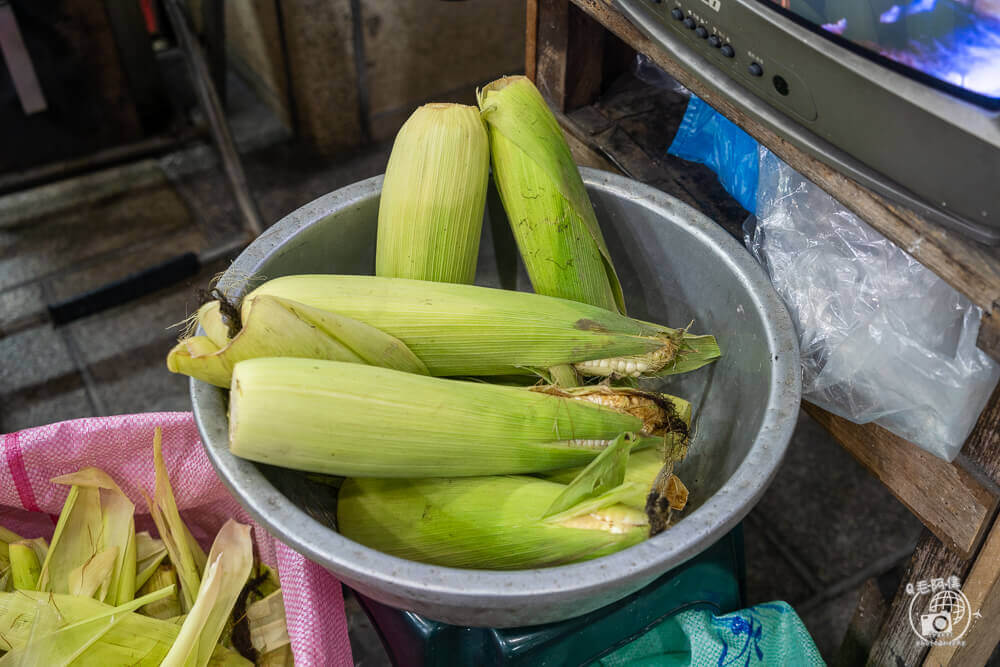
(92, 551)
(353, 420)
(229, 563)
(115, 636)
(430, 214)
(165, 576)
(269, 631)
(149, 553)
(24, 566)
(465, 330)
(185, 554)
(276, 327)
(545, 199)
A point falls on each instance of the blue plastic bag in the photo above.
(708, 137)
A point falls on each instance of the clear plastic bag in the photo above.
(882, 338)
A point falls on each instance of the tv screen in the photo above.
(952, 44)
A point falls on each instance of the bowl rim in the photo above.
(429, 583)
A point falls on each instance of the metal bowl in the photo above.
(676, 266)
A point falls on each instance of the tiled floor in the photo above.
(824, 527)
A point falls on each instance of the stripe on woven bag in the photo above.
(15, 461)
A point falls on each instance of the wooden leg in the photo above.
(982, 589)
(897, 644)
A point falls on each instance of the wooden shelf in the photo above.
(617, 124)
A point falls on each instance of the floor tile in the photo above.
(46, 245)
(366, 646)
(828, 623)
(827, 508)
(770, 576)
(32, 357)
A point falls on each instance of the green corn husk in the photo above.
(107, 635)
(499, 522)
(464, 330)
(6, 538)
(186, 556)
(228, 567)
(492, 523)
(149, 553)
(545, 199)
(275, 327)
(352, 420)
(515, 522)
(92, 551)
(165, 576)
(430, 213)
(24, 567)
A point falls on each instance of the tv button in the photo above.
(701, 31)
(755, 69)
(714, 41)
(727, 51)
(677, 13)
(689, 22)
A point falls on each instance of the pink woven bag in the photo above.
(122, 446)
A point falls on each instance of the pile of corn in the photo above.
(476, 427)
(99, 593)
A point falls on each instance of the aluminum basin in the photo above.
(676, 266)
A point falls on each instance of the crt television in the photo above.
(903, 96)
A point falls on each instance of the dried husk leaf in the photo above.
(229, 564)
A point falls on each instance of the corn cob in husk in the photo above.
(276, 327)
(430, 215)
(513, 522)
(354, 420)
(545, 199)
(461, 330)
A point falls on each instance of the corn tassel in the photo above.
(353, 420)
(545, 199)
(461, 330)
(430, 215)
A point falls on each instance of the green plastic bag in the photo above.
(768, 634)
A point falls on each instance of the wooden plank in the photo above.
(863, 628)
(969, 267)
(530, 38)
(982, 588)
(956, 506)
(896, 643)
(569, 55)
(989, 333)
(932, 558)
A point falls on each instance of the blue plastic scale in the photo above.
(714, 580)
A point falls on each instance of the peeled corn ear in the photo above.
(354, 420)
(546, 202)
(469, 330)
(430, 215)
